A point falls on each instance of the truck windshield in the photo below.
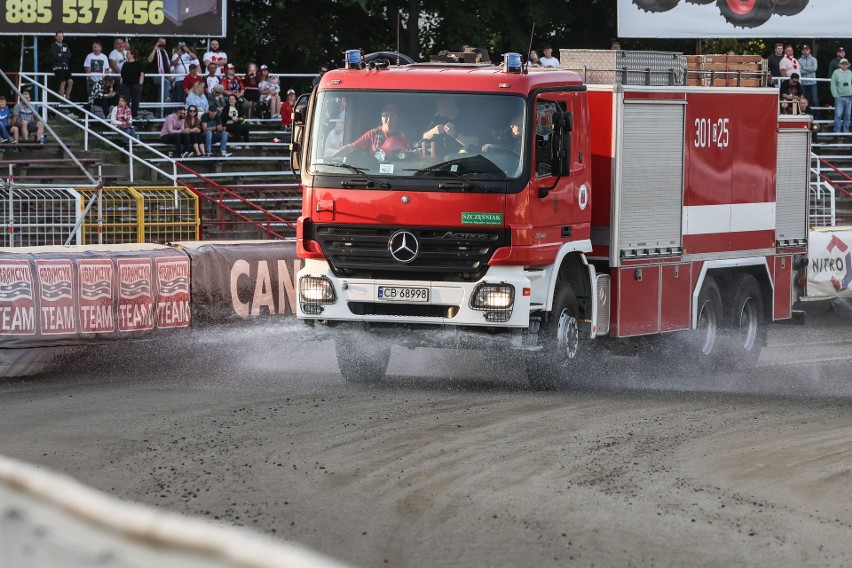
(462, 136)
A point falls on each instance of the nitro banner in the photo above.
(67, 296)
(733, 18)
(829, 264)
(241, 281)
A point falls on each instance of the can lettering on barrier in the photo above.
(173, 292)
(97, 295)
(135, 294)
(17, 301)
(56, 292)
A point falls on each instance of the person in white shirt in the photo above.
(97, 64)
(182, 58)
(117, 56)
(788, 64)
(217, 56)
(547, 60)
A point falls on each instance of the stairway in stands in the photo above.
(833, 166)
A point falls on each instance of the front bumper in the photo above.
(448, 305)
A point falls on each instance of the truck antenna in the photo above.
(527, 56)
(398, 24)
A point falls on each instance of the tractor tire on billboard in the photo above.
(746, 13)
(700, 1)
(656, 5)
(790, 7)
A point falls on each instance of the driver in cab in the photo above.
(382, 140)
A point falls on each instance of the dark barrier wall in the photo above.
(237, 281)
(65, 296)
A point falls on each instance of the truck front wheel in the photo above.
(656, 5)
(746, 13)
(361, 359)
(706, 338)
(745, 327)
(559, 338)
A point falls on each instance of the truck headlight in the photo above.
(314, 291)
(493, 297)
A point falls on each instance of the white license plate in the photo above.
(402, 294)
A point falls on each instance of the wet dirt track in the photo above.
(465, 466)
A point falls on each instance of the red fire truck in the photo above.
(529, 210)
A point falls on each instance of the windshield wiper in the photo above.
(369, 182)
(466, 184)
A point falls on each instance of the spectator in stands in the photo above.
(60, 57)
(251, 88)
(25, 121)
(834, 65)
(219, 97)
(808, 65)
(385, 138)
(322, 71)
(533, 60)
(190, 80)
(211, 79)
(198, 98)
(5, 115)
(334, 141)
(774, 60)
(214, 132)
(102, 97)
(182, 58)
(615, 46)
(192, 126)
(841, 90)
(174, 131)
(159, 64)
(216, 56)
(122, 117)
(235, 120)
(132, 77)
(547, 60)
(788, 64)
(287, 109)
(270, 91)
(117, 57)
(791, 92)
(96, 65)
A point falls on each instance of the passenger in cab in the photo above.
(451, 131)
(509, 141)
(382, 140)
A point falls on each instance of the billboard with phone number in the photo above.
(114, 17)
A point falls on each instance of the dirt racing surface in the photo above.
(454, 461)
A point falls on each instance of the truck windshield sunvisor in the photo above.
(396, 134)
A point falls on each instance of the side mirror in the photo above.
(300, 111)
(561, 147)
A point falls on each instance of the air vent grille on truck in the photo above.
(443, 254)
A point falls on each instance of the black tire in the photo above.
(656, 5)
(390, 57)
(745, 324)
(700, 1)
(746, 13)
(790, 7)
(551, 367)
(361, 359)
(705, 341)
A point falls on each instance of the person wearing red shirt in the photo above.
(287, 109)
(191, 79)
(386, 138)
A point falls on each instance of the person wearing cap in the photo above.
(834, 64)
(791, 92)
(287, 109)
(190, 80)
(216, 56)
(270, 89)
(788, 64)
(841, 90)
(808, 65)
(214, 131)
(381, 141)
(774, 60)
(182, 58)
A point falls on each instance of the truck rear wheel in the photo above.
(706, 339)
(746, 13)
(559, 338)
(361, 360)
(790, 7)
(745, 327)
(656, 5)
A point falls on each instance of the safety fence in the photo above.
(43, 216)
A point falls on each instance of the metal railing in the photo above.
(38, 216)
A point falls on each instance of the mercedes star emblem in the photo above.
(403, 246)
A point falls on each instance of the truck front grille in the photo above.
(445, 254)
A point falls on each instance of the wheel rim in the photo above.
(741, 7)
(748, 325)
(707, 328)
(568, 335)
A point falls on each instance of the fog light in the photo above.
(493, 297)
(315, 291)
